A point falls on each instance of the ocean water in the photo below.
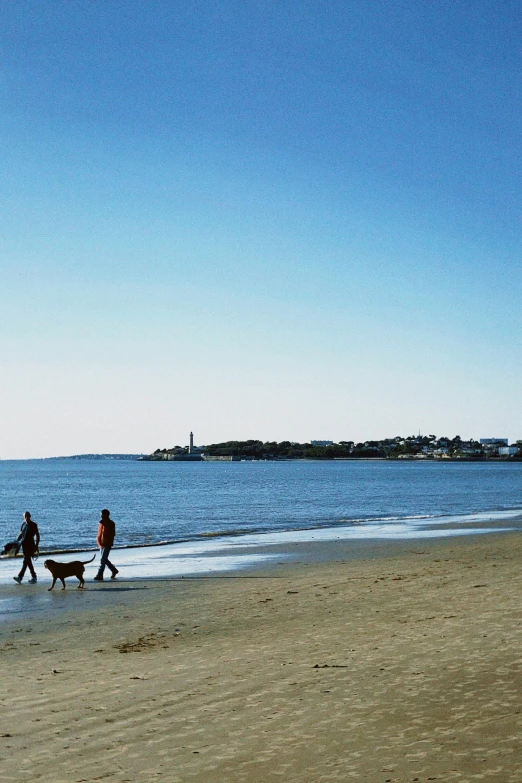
(207, 503)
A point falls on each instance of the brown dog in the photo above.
(62, 570)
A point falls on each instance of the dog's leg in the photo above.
(53, 584)
(63, 583)
(82, 582)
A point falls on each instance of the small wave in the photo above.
(472, 516)
(225, 533)
(370, 520)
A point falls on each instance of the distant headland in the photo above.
(412, 447)
(102, 456)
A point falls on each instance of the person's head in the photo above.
(105, 513)
(27, 516)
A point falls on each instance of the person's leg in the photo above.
(104, 561)
(31, 568)
(26, 562)
(28, 559)
(108, 563)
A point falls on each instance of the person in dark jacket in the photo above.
(105, 540)
(30, 540)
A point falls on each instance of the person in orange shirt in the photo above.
(105, 540)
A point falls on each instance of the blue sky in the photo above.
(258, 220)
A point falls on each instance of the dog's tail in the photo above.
(84, 562)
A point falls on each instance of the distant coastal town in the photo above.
(413, 447)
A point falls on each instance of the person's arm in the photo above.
(99, 536)
(37, 537)
(22, 532)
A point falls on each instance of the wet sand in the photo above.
(402, 665)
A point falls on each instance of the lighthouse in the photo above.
(191, 443)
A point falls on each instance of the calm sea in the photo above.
(160, 502)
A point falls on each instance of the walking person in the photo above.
(105, 540)
(30, 539)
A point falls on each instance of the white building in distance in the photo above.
(322, 442)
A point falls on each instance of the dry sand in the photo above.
(401, 668)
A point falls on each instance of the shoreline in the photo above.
(241, 551)
(400, 664)
(217, 563)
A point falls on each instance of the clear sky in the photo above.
(258, 219)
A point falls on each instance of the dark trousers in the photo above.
(105, 561)
(28, 563)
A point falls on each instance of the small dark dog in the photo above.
(11, 549)
(62, 570)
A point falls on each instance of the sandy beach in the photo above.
(404, 665)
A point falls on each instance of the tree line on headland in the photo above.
(411, 447)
